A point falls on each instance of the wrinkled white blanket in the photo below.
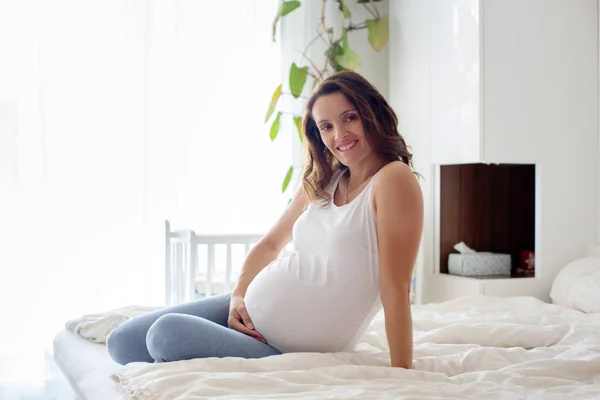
(469, 348)
(96, 327)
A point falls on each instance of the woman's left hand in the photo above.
(239, 319)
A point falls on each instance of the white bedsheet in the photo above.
(87, 366)
(470, 348)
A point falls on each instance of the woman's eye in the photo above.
(351, 117)
(325, 128)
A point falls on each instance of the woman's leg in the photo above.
(175, 337)
(127, 342)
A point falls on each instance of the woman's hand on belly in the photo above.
(239, 319)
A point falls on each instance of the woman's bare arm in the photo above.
(269, 247)
(265, 251)
(399, 213)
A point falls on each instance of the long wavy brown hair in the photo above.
(380, 126)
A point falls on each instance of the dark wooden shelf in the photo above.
(490, 207)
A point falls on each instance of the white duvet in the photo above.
(469, 348)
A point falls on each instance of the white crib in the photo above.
(187, 277)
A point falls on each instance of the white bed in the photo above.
(87, 366)
(468, 348)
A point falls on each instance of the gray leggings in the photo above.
(197, 329)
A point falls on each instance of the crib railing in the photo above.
(186, 278)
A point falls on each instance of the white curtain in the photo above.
(116, 115)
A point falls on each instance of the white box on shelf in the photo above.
(479, 264)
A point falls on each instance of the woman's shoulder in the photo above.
(393, 172)
(395, 180)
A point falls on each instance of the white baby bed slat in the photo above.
(210, 269)
(191, 272)
(182, 274)
(179, 268)
(229, 267)
(168, 264)
(175, 264)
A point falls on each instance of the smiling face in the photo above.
(341, 129)
(347, 121)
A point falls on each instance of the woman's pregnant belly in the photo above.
(306, 303)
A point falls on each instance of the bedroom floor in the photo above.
(32, 376)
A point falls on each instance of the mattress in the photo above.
(87, 366)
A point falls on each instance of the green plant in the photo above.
(338, 56)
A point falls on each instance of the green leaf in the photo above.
(315, 81)
(287, 179)
(338, 50)
(332, 59)
(349, 59)
(298, 122)
(273, 103)
(297, 79)
(344, 9)
(344, 39)
(285, 7)
(275, 127)
(379, 31)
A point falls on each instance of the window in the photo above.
(129, 113)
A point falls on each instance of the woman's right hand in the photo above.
(239, 319)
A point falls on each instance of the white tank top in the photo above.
(323, 296)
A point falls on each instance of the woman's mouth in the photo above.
(348, 146)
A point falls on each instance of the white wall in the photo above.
(409, 96)
(540, 104)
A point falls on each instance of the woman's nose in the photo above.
(340, 133)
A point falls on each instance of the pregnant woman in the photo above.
(355, 223)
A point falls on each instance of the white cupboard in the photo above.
(501, 82)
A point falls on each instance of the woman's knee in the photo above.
(162, 337)
(117, 343)
(126, 343)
